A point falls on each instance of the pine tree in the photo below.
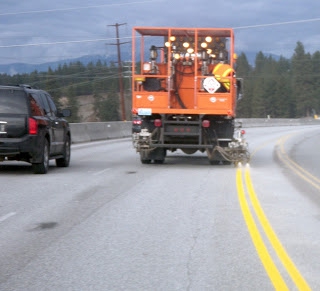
(73, 105)
(316, 82)
(244, 71)
(52, 85)
(302, 81)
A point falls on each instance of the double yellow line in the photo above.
(248, 200)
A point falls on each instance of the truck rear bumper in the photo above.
(188, 146)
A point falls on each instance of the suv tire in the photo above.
(42, 168)
(65, 161)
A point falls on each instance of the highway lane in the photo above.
(111, 223)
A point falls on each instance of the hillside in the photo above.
(25, 68)
(85, 111)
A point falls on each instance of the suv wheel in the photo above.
(64, 162)
(42, 168)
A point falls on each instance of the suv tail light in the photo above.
(33, 126)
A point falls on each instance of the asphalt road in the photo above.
(110, 223)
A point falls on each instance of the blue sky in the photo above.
(38, 31)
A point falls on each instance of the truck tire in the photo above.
(145, 161)
(145, 157)
(65, 161)
(42, 168)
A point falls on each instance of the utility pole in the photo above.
(122, 101)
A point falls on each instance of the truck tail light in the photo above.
(157, 123)
(206, 123)
(33, 126)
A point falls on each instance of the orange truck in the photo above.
(184, 93)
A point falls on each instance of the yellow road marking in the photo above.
(256, 237)
(263, 253)
(275, 242)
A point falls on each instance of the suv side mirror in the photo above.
(64, 113)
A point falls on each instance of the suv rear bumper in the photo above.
(27, 148)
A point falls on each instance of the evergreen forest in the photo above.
(282, 88)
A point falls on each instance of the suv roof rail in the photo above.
(25, 86)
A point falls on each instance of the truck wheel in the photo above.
(145, 158)
(42, 168)
(145, 161)
(65, 161)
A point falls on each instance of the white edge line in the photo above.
(101, 172)
(5, 217)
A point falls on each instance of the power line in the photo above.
(129, 37)
(59, 42)
(75, 8)
(278, 23)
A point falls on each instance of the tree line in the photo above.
(283, 88)
(70, 81)
(279, 88)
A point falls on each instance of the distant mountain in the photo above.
(22, 68)
(251, 56)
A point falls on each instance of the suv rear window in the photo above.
(13, 101)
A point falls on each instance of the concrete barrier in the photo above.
(95, 131)
(266, 122)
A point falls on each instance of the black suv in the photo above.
(32, 129)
